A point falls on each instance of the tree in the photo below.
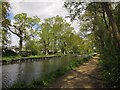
(4, 13)
(101, 17)
(54, 32)
(45, 35)
(106, 6)
(32, 47)
(22, 27)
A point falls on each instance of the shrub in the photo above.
(7, 53)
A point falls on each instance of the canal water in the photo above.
(27, 71)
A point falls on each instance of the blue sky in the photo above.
(43, 9)
(11, 16)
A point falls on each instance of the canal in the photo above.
(28, 71)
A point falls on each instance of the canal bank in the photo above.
(39, 73)
(28, 59)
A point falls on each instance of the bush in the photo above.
(25, 53)
(7, 53)
(110, 67)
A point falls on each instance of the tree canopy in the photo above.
(99, 32)
(4, 22)
(100, 20)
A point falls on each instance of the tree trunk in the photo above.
(45, 48)
(20, 44)
(111, 21)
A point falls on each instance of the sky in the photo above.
(41, 8)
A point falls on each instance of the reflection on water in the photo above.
(27, 71)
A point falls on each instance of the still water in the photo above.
(27, 71)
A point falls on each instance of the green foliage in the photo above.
(9, 53)
(53, 36)
(21, 84)
(24, 27)
(32, 47)
(56, 35)
(102, 20)
(4, 13)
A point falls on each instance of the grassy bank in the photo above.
(20, 57)
(17, 59)
(47, 79)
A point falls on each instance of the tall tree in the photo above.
(4, 13)
(107, 8)
(45, 35)
(53, 35)
(22, 27)
(101, 18)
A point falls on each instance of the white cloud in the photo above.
(40, 9)
(37, 0)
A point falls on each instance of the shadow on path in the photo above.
(87, 75)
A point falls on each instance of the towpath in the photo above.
(87, 75)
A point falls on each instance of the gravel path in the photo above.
(84, 76)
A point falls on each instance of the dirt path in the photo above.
(84, 76)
